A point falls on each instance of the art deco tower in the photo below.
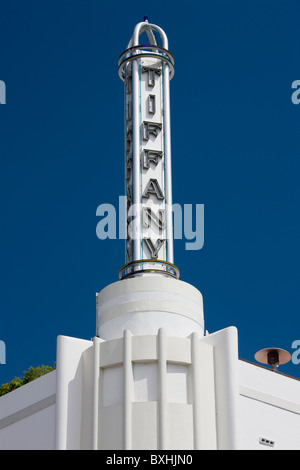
(155, 319)
(151, 378)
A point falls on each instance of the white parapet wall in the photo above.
(269, 409)
(27, 416)
(156, 392)
(152, 380)
(134, 392)
(152, 392)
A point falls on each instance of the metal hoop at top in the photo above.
(136, 52)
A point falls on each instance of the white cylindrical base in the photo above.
(147, 303)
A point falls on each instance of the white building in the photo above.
(151, 378)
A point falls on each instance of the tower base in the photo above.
(146, 303)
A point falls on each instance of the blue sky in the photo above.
(235, 149)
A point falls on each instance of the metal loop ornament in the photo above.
(141, 51)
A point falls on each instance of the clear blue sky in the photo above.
(235, 149)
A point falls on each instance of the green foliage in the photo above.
(29, 375)
(10, 386)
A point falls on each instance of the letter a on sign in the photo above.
(153, 188)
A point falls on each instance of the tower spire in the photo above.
(146, 71)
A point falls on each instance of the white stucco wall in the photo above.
(27, 416)
(158, 390)
(269, 409)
